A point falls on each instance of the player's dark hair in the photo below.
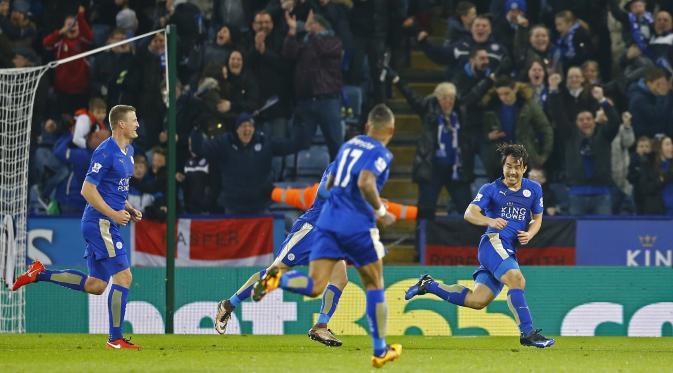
(380, 116)
(118, 113)
(517, 151)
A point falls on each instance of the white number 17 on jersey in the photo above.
(354, 154)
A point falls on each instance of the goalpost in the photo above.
(17, 94)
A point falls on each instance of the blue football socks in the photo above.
(517, 304)
(297, 282)
(69, 278)
(244, 292)
(330, 299)
(377, 315)
(453, 293)
(116, 304)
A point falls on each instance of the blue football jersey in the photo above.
(110, 170)
(346, 210)
(311, 215)
(498, 201)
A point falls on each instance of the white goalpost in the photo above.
(17, 94)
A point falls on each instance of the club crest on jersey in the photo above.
(526, 193)
(96, 167)
(380, 164)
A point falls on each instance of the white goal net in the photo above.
(17, 92)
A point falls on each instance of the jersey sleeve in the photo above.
(484, 196)
(101, 161)
(538, 202)
(378, 161)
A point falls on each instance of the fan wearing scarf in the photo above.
(574, 45)
(637, 23)
(440, 148)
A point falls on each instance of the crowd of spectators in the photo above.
(594, 107)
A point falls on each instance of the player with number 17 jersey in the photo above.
(346, 210)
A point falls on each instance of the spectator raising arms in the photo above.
(438, 163)
(71, 80)
(587, 154)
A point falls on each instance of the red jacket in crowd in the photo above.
(71, 77)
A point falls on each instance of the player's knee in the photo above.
(124, 278)
(319, 286)
(479, 304)
(95, 287)
(516, 280)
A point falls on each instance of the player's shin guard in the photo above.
(453, 293)
(69, 278)
(297, 282)
(116, 304)
(244, 292)
(517, 304)
(377, 317)
(330, 299)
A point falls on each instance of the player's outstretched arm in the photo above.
(367, 185)
(473, 215)
(91, 195)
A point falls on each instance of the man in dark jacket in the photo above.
(587, 154)
(514, 118)
(317, 78)
(650, 103)
(456, 54)
(268, 66)
(472, 83)
(244, 159)
(372, 23)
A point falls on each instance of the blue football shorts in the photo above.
(496, 258)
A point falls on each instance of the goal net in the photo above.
(17, 93)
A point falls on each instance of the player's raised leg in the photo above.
(516, 300)
(227, 306)
(377, 310)
(311, 284)
(69, 278)
(330, 299)
(476, 298)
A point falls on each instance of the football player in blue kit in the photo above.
(105, 189)
(346, 228)
(511, 207)
(295, 252)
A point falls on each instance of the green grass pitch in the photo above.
(185, 353)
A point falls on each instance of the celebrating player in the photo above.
(347, 228)
(295, 252)
(105, 189)
(508, 204)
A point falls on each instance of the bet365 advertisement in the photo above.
(569, 301)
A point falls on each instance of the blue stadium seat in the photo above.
(313, 161)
